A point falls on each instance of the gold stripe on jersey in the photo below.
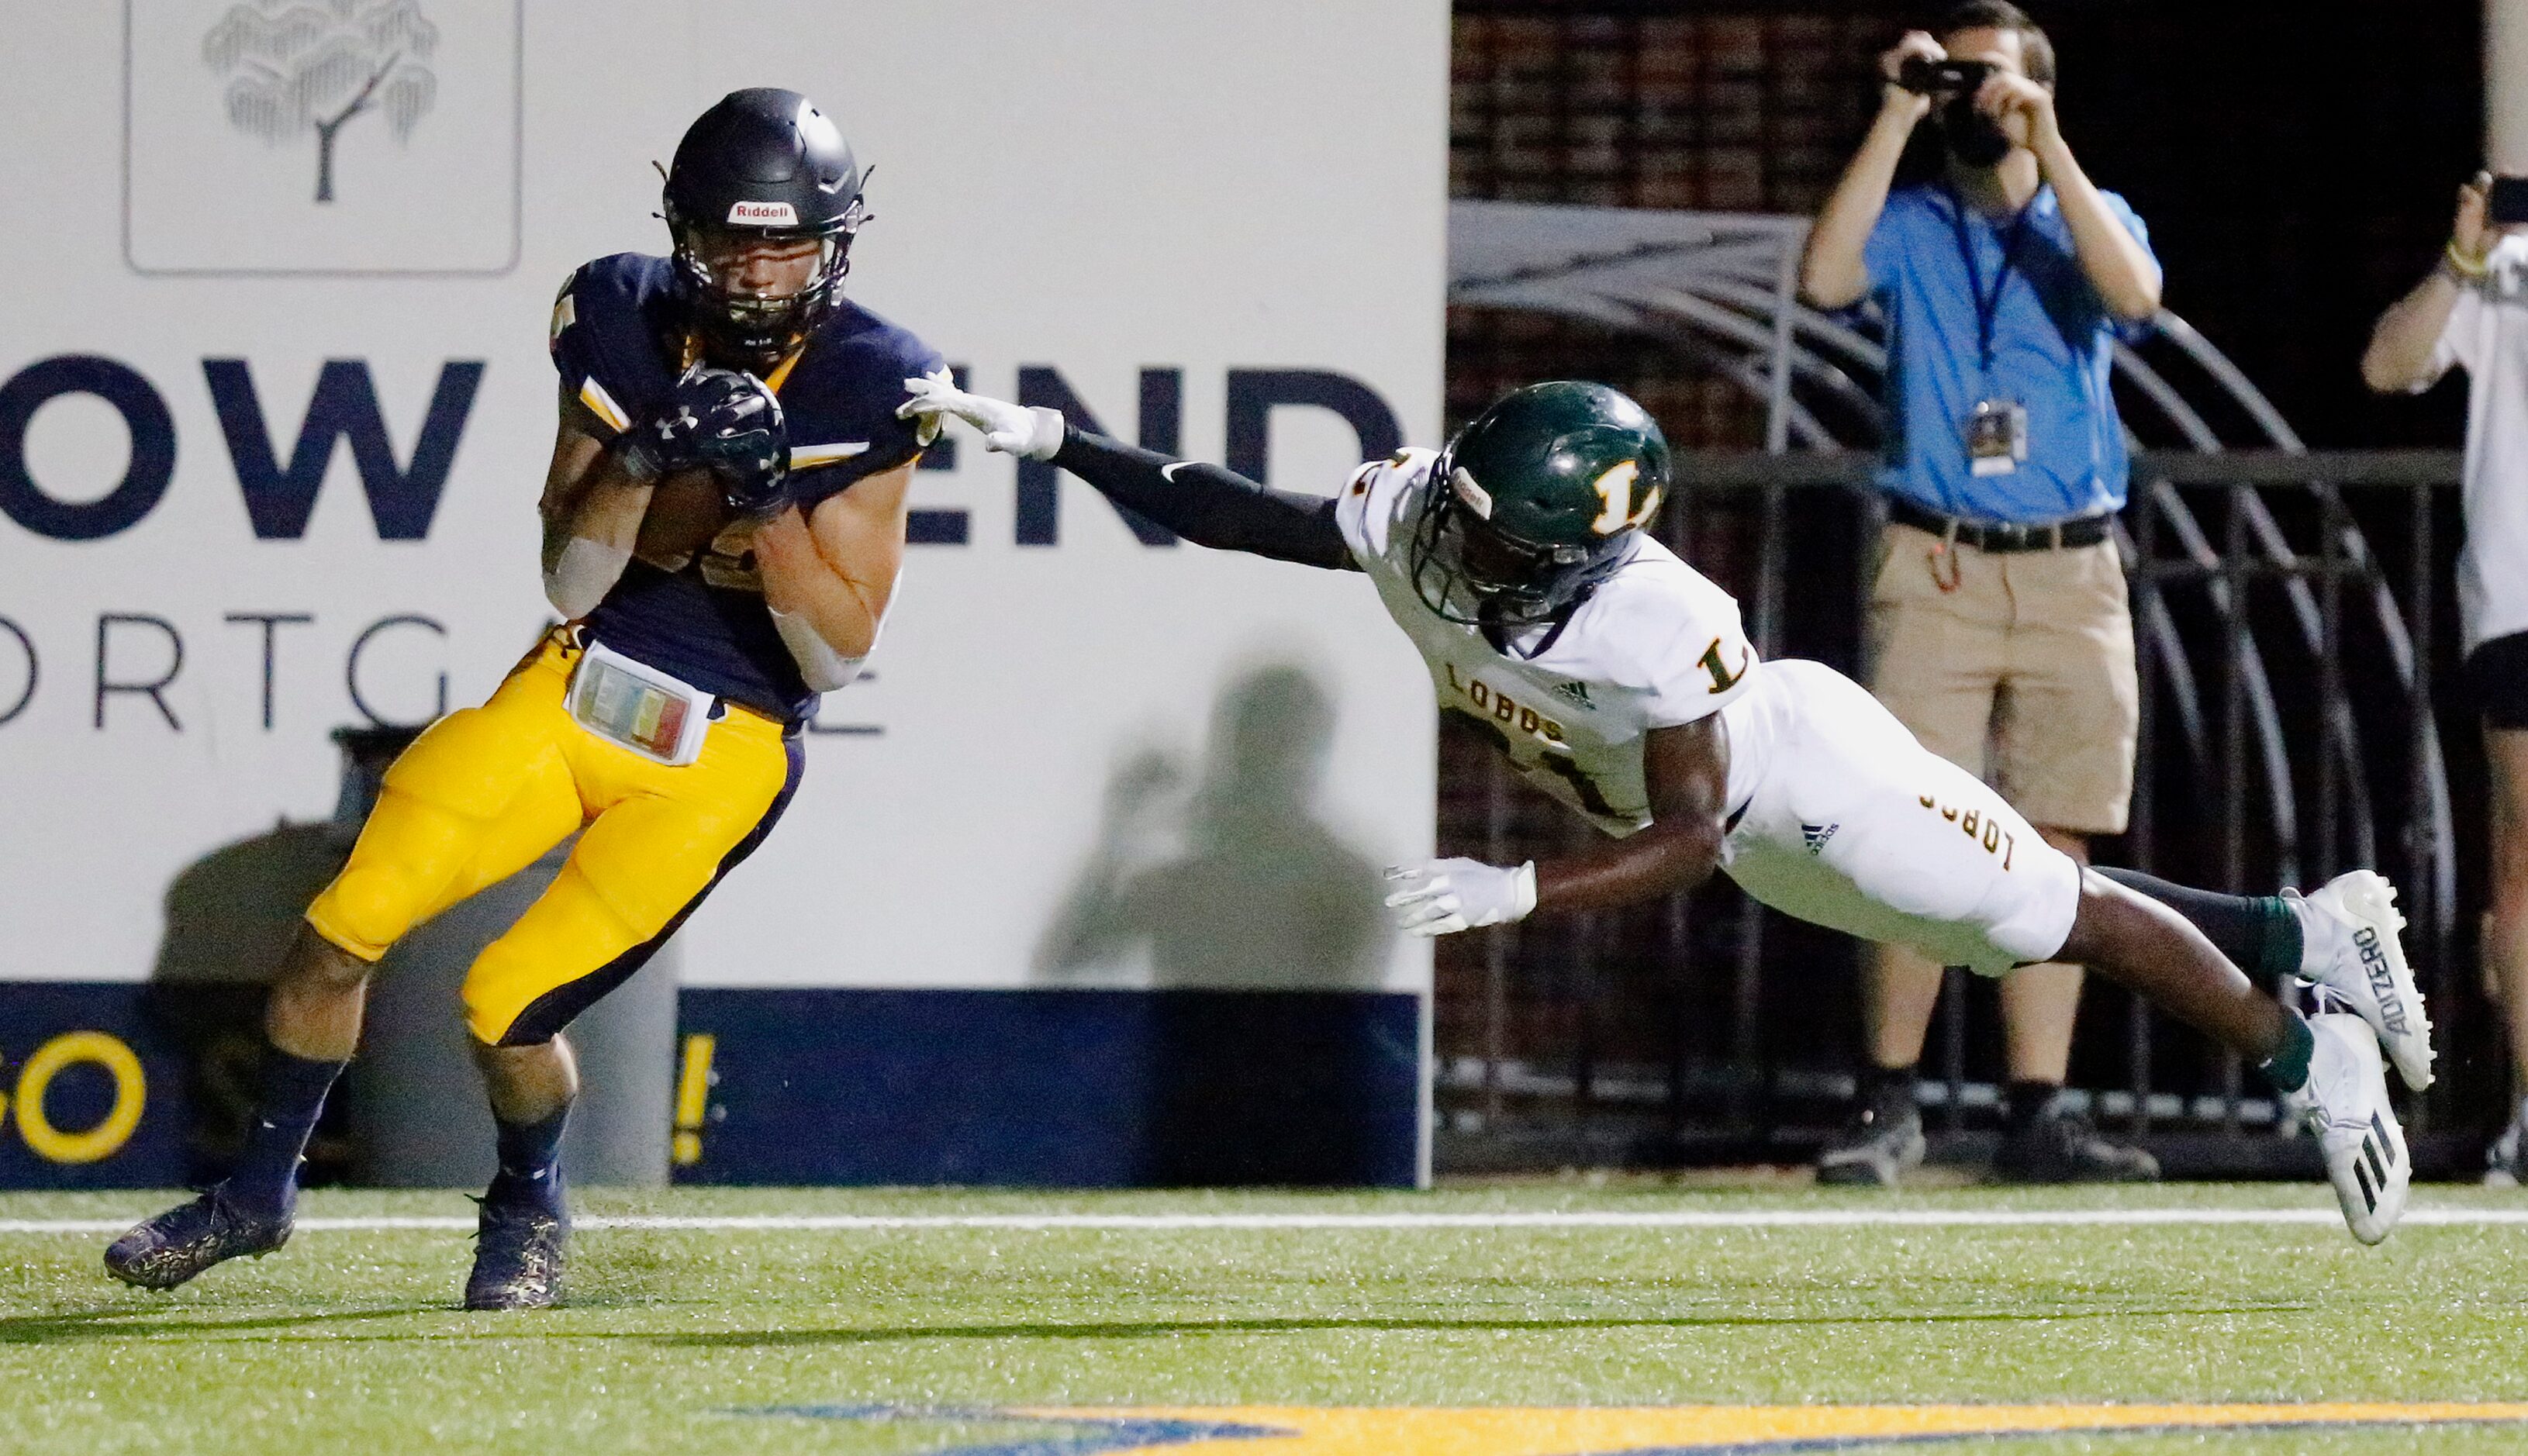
(602, 405)
(803, 456)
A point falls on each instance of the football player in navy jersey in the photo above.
(723, 522)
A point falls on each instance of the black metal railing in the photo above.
(2295, 632)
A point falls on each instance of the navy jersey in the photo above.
(619, 345)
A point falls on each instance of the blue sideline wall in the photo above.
(138, 1086)
(1093, 1089)
(102, 1083)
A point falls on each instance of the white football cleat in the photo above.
(2346, 1105)
(2349, 925)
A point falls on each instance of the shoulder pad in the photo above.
(841, 401)
(605, 337)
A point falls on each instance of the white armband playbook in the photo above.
(580, 580)
(823, 669)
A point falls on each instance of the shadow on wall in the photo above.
(1237, 886)
(1261, 1040)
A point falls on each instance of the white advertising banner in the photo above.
(274, 407)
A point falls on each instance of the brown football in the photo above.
(685, 512)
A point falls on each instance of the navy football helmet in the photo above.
(763, 163)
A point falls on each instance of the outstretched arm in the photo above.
(1205, 504)
(1687, 769)
(1208, 504)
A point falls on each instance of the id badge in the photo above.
(1996, 437)
(638, 707)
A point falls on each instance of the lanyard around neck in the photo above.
(1987, 305)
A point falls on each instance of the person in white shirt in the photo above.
(1617, 679)
(2471, 310)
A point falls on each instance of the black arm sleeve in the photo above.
(1207, 504)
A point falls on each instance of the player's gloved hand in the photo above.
(726, 422)
(1012, 429)
(1445, 896)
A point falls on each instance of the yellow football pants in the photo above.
(487, 791)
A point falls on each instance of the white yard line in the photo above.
(1401, 1221)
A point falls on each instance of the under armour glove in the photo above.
(1447, 896)
(1012, 429)
(723, 421)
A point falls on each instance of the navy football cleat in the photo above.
(517, 1257)
(2059, 1146)
(164, 1251)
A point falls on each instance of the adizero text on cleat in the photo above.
(517, 1258)
(2344, 1103)
(164, 1251)
(2351, 924)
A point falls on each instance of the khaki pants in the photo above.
(2015, 666)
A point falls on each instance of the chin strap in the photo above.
(1500, 633)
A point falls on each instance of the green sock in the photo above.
(2288, 1067)
(2279, 950)
(2259, 933)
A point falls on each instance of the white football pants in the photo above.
(1857, 827)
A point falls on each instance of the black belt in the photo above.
(2080, 531)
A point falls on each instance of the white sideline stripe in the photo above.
(2460, 1218)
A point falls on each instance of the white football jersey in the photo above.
(1655, 645)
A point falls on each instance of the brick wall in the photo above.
(1732, 113)
(1727, 113)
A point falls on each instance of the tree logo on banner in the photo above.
(301, 66)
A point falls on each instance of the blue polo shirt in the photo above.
(2052, 350)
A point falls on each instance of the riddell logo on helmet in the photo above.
(765, 214)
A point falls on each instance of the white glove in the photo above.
(1012, 429)
(1447, 896)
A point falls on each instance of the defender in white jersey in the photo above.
(1572, 701)
(1617, 679)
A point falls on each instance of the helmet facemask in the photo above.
(752, 324)
(1473, 572)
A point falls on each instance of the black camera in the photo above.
(1941, 78)
(2508, 202)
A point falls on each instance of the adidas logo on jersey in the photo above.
(1816, 836)
(1577, 692)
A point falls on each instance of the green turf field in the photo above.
(684, 1338)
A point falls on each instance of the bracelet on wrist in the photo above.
(2466, 268)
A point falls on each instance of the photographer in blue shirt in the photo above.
(1998, 616)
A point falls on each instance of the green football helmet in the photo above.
(1535, 503)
